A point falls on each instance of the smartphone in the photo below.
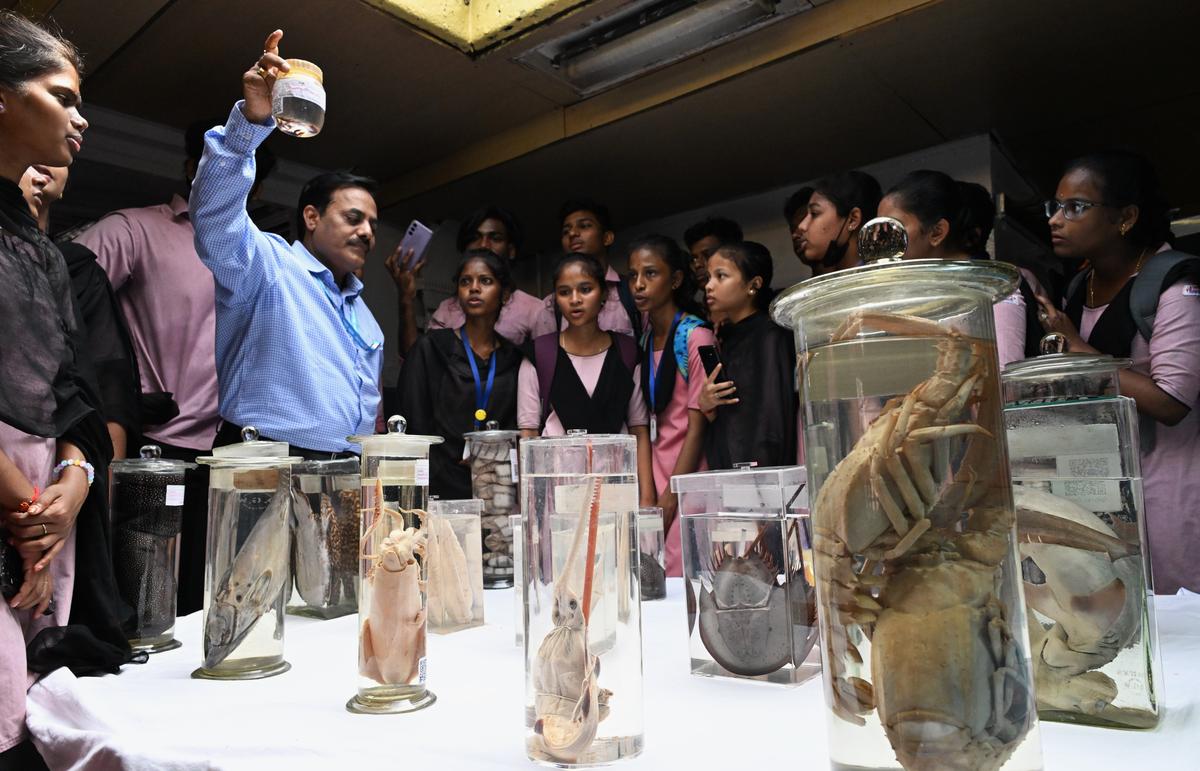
(417, 238)
(710, 359)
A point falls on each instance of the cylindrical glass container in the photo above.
(652, 564)
(518, 534)
(394, 565)
(298, 99)
(752, 610)
(455, 585)
(1073, 444)
(494, 476)
(325, 532)
(246, 564)
(147, 513)
(583, 645)
(925, 648)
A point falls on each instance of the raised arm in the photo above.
(228, 242)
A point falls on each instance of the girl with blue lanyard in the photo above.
(672, 373)
(455, 380)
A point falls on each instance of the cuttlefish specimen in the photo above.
(450, 595)
(393, 633)
(569, 704)
(252, 583)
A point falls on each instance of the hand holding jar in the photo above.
(259, 80)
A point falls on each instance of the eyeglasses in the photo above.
(1072, 208)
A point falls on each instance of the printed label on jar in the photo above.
(1097, 495)
(421, 671)
(300, 87)
(512, 461)
(1098, 465)
(1048, 442)
(422, 472)
(175, 495)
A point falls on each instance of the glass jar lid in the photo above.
(1051, 366)
(150, 461)
(492, 433)
(300, 67)
(932, 289)
(396, 443)
(251, 451)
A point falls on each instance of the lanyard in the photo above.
(482, 395)
(350, 325)
(668, 348)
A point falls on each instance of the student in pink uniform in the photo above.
(672, 374)
(595, 381)
(938, 217)
(1108, 210)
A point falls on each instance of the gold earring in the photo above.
(1124, 229)
(751, 291)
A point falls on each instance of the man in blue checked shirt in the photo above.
(299, 355)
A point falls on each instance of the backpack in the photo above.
(1157, 274)
(545, 361)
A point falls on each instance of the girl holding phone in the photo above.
(584, 377)
(456, 380)
(750, 397)
(672, 374)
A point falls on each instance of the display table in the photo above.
(154, 716)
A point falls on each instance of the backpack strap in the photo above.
(545, 359)
(680, 344)
(1157, 274)
(627, 347)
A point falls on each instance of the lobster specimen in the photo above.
(909, 554)
(746, 621)
(1093, 591)
(569, 704)
(253, 583)
(393, 633)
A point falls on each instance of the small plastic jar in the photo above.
(298, 99)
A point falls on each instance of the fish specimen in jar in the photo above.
(252, 583)
(310, 553)
(569, 704)
(911, 533)
(393, 633)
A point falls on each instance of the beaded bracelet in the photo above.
(83, 464)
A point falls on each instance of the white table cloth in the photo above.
(155, 716)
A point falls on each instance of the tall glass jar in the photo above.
(1073, 443)
(752, 611)
(298, 99)
(652, 562)
(325, 537)
(246, 563)
(146, 509)
(394, 568)
(494, 475)
(455, 586)
(925, 649)
(583, 644)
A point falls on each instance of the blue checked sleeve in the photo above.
(240, 256)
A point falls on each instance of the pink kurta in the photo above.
(1171, 468)
(34, 456)
(672, 431)
(517, 316)
(168, 300)
(1009, 314)
(529, 405)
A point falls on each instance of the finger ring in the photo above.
(1043, 316)
(260, 72)
(45, 531)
